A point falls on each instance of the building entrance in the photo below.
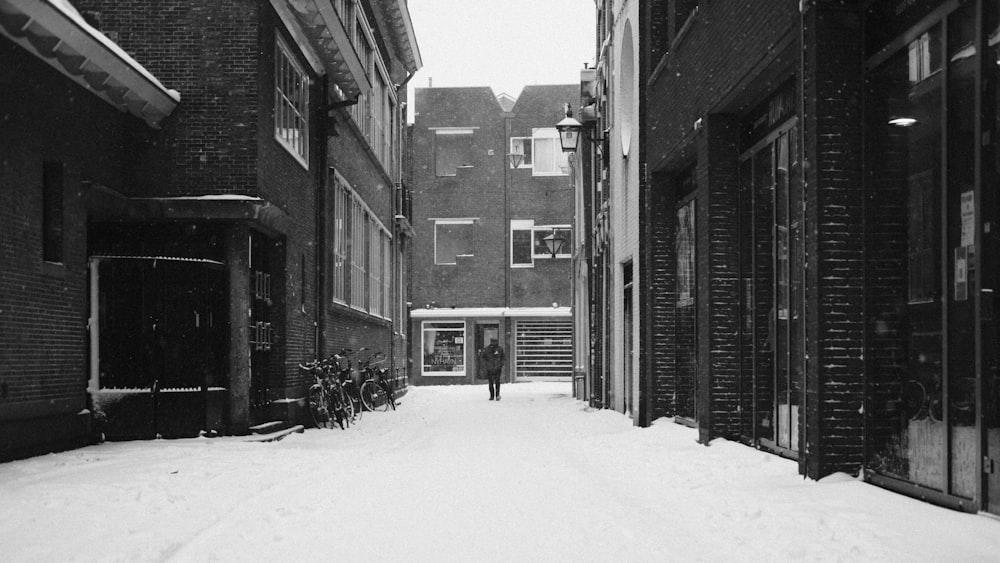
(771, 275)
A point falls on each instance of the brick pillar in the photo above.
(832, 87)
(662, 295)
(238, 264)
(718, 286)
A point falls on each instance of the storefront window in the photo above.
(906, 430)
(444, 348)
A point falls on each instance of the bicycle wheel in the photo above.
(377, 400)
(349, 410)
(367, 399)
(319, 408)
(355, 399)
(339, 408)
(390, 394)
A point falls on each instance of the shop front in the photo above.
(538, 343)
(932, 407)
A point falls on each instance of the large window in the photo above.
(453, 238)
(291, 104)
(452, 148)
(548, 158)
(360, 259)
(375, 112)
(444, 348)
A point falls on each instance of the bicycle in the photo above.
(345, 376)
(326, 400)
(377, 392)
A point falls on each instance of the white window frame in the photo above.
(548, 229)
(424, 326)
(522, 225)
(289, 107)
(526, 162)
(551, 136)
(342, 202)
(452, 222)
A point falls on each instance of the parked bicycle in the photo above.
(345, 376)
(377, 392)
(327, 406)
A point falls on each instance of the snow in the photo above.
(451, 476)
(71, 13)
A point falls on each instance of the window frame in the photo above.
(284, 104)
(549, 229)
(424, 326)
(549, 135)
(448, 131)
(526, 143)
(437, 222)
(522, 225)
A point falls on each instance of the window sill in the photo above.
(54, 269)
(298, 158)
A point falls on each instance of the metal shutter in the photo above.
(544, 348)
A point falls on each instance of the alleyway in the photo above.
(452, 476)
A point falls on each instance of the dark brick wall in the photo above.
(208, 51)
(720, 295)
(834, 53)
(663, 295)
(44, 306)
(479, 192)
(728, 60)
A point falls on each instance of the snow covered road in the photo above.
(452, 476)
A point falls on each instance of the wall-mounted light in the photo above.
(515, 159)
(554, 244)
(903, 121)
(569, 131)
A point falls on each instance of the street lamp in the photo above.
(554, 244)
(569, 131)
(515, 159)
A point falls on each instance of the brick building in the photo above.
(263, 226)
(481, 268)
(817, 257)
(67, 128)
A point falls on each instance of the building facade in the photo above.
(65, 127)
(481, 267)
(815, 232)
(264, 225)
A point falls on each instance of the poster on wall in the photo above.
(444, 348)
(685, 255)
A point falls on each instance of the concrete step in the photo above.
(268, 427)
(277, 434)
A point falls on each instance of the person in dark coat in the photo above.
(491, 360)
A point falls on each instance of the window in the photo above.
(341, 204)
(359, 255)
(548, 157)
(924, 58)
(560, 232)
(527, 242)
(452, 238)
(522, 145)
(386, 275)
(52, 211)
(374, 269)
(521, 241)
(452, 148)
(444, 348)
(291, 104)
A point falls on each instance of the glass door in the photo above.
(685, 316)
(772, 269)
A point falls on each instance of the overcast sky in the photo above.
(503, 44)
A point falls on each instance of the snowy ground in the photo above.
(452, 476)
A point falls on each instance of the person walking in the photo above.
(491, 359)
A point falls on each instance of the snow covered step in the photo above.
(276, 435)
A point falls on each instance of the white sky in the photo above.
(452, 476)
(504, 44)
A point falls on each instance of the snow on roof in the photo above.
(71, 12)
